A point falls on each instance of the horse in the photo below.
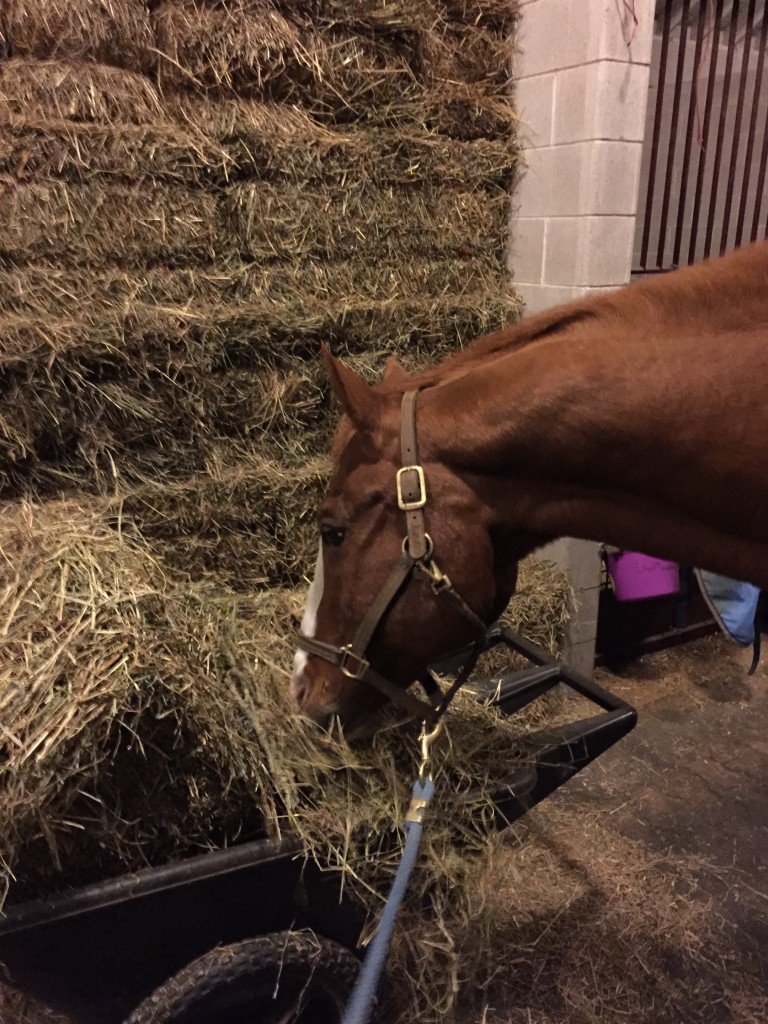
(637, 417)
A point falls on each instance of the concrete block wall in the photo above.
(581, 74)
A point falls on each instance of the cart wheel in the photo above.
(284, 978)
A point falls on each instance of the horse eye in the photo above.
(333, 535)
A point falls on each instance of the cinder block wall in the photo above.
(581, 73)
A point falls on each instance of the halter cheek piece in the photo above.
(415, 561)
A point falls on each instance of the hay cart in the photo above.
(255, 934)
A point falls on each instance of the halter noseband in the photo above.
(416, 560)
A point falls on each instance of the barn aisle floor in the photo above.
(654, 861)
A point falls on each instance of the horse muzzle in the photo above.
(321, 691)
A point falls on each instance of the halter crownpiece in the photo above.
(416, 560)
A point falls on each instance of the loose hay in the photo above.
(144, 716)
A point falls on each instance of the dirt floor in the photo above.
(639, 892)
(654, 861)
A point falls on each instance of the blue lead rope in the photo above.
(361, 1004)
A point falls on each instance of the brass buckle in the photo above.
(421, 501)
(348, 657)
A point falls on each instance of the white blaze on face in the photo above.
(309, 619)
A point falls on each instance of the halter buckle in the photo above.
(421, 501)
(351, 664)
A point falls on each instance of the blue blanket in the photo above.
(733, 604)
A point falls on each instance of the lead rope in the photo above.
(351, 659)
(363, 999)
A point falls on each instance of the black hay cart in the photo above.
(253, 934)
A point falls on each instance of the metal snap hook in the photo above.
(427, 739)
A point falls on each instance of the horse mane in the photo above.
(725, 293)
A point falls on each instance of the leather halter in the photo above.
(416, 561)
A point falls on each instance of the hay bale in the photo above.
(248, 48)
(141, 379)
(244, 524)
(333, 68)
(55, 105)
(201, 293)
(278, 140)
(32, 89)
(302, 151)
(234, 46)
(267, 333)
(470, 54)
(270, 222)
(63, 426)
(63, 148)
(78, 224)
(494, 15)
(108, 31)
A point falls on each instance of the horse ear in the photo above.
(394, 372)
(357, 397)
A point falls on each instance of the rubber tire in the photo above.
(226, 985)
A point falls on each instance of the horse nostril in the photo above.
(299, 689)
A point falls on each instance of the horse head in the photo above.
(361, 526)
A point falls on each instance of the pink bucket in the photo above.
(636, 577)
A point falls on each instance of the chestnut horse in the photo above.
(638, 417)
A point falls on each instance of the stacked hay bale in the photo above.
(193, 195)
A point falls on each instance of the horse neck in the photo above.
(581, 436)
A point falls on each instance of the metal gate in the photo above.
(703, 178)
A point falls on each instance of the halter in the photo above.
(416, 561)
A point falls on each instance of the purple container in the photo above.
(637, 577)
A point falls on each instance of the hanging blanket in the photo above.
(734, 606)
